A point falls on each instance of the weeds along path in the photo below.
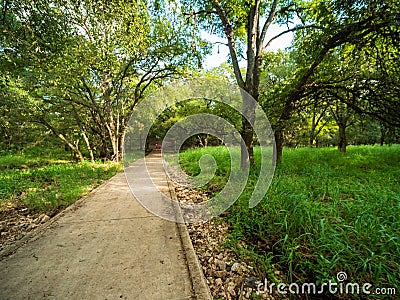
(105, 246)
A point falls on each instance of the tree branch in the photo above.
(202, 11)
(271, 16)
(287, 31)
(252, 38)
(231, 42)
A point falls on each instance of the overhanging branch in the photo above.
(290, 30)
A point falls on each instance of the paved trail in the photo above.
(106, 246)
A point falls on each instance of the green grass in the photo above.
(45, 181)
(325, 212)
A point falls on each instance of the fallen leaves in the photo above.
(227, 277)
(16, 222)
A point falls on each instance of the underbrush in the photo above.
(324, 213)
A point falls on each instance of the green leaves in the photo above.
(88, 64)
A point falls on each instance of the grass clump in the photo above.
(325, 212)
(47, 182)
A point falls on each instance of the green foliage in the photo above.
(276, 80)
(215, 81)
(81, 67)
(358, 43)
(44, 180)
(325, 212)
(15, 128)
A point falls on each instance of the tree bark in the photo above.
(278, 144)
(82, 128)
(342, 137)
(247, 151)
(86, 139)
(73, 147)
(253, 70)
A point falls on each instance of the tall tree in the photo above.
(332, 25)
(325, 25)
(245, 25)
(95, 63)
(362, 71)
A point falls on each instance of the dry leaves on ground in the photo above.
(227, 277)
(16, 222)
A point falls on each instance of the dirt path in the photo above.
(106, 246)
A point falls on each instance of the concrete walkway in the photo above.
(105, 246)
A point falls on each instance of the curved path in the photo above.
(105, 246)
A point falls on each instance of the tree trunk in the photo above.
(247, 151)
(86, 139)
(252, 72)
(278, 145)
(312, 131)
(114, 145)
(121, 143)
(73, 147)
(104, 150)
(314, 123)
(342, 138)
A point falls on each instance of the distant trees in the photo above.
(216, 82)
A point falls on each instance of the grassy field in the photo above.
(324, 213)
(45, 181)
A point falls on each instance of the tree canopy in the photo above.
(77, 69)
(86, 64)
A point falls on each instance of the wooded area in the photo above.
(72, 72)
(76, 69)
